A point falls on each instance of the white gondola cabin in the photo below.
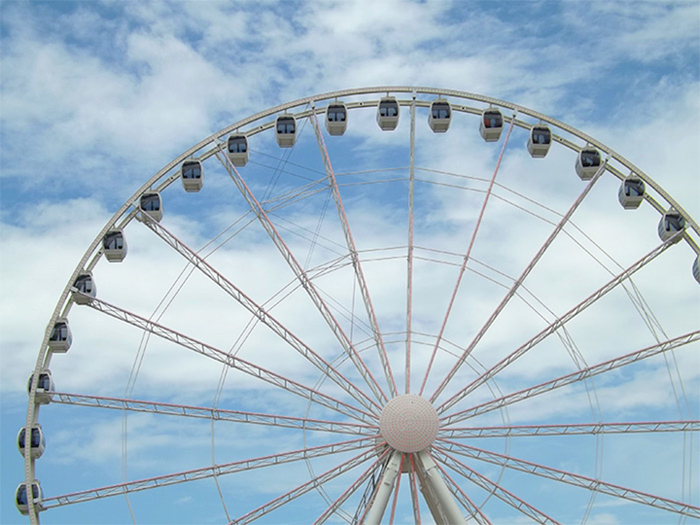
(237, 146)
(671, 223)
(336, 118)
(22, 501)
(114, 246)
(192, 175)
(61, 337)
(491, 125)
(37, 443)
(631, 192)
(587, 163)
(440, 116)
(696, 269)
(44, 388)
(539, 141)
(388, 114)
(85, 288)
(286, 131)
(152, 205)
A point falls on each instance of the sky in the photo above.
(97, 97)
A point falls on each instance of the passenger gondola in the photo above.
(60, 338)
(85, 285)
(587, 163)
(631, 192)
(440, 116)
(696, 268)
(44, 389)
(670, 224)
(237, 145)
(152, 205)
(114, 246)
(286, 131)
(22, 501)
(336, 118)
(37, 443)
(491, 125)
(539, 141)
(192, 175)
(388, 113)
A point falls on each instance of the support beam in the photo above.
(333, 507)
(437, 495)
(384, 488)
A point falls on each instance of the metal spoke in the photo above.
(409, 254)
(578, 480)
(261, 314)
(229, 360)
(518, 282)
(463, 267)
(350, 490)
(208, 472)
(490, 486)
(304, 488)
(436, 493)
(359, 274)
(215, 414)
(553, 327)
(301, 275)
(569, 429)
(574, 377)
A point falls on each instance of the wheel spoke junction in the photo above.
(358, 326)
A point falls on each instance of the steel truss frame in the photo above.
(426, 470)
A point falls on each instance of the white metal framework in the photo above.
(396, 326)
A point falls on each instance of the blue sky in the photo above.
(96, 97)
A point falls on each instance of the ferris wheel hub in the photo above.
(409, 423)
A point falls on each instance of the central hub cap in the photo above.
(409, 423)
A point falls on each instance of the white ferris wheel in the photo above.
(420, 319)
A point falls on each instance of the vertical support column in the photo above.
(384, 488)
(440, 501)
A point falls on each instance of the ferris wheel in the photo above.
(390, 304)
